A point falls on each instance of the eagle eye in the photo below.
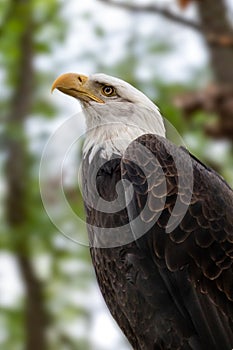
(108, 91)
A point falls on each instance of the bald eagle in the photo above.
(160, 223)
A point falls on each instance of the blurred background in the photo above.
(179, 53)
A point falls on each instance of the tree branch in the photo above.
(156, 10)
(224, 40)
(215, 99)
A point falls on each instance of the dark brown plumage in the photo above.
(165, 290)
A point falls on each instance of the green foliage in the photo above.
(11, 320)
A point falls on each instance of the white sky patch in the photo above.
(104, 331)
(11, 286)
(217, 150)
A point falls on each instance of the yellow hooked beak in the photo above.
(76, 85)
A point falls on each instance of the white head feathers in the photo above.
(114, 124)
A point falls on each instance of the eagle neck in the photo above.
(112, 133)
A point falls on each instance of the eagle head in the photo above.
(116, 112)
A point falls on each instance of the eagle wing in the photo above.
(183, 210)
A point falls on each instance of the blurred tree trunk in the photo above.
(18, 178)
(213, 17)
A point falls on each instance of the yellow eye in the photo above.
(108, 90)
